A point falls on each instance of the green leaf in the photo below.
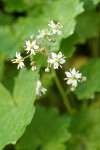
(48, 130)
(17, 110)
(90, 4)
(5, 19)
(18, 5)
(84, 28)
(85, 129)
(68, 45)
(87, 89)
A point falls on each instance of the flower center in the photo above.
(57, 60)
(56, 26)
(18, 60)
(31, 46)
(73, 77)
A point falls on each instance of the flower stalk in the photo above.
(62, 93)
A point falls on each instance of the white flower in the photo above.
(56, 60)
(55, 27)
(31, 47)
(43, 33)
(40, 89)
(73, 77)
(18, 60)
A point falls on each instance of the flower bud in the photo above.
(47, 69)
(33, 68)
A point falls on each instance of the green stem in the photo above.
(63, 94)
(26, 56)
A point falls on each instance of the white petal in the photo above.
(68, 74)
(60, 55)
(73, 71)
(74, 83)
(51, 61)
(59, 32)
(32, 52)
(56, 65)
(18, 55)
(33, 43)
(54, 31)
(78, 75)
(28, 43)
(51, 24)
(62, 61)
(43, 90)
(38, 84)
(54, 55)
(69, 81)
(36, 46)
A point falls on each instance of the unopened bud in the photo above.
(72, 88)
(47, 69)
(33, 68)
(31, 36)
(83, 79)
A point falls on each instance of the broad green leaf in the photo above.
(87, 89)
(5, 19)
(85, 129)
(90, 4)
(18, 5)
(68, 45)
(84, 28)
(11, 38)
(17, 110)
(48, 130)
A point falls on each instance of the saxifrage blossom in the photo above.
(18, 60)
(56, 60)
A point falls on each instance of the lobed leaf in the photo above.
(87, 89)
(48, 130)
(17, 110)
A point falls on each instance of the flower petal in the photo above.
(74, 83)
(54, 55)
(62, 61)
(78, 75)
(60, 55)
(70, 81)
(73, 71)
(68, 74)
(56, 65)
(51, 61)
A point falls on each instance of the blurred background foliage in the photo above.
(51, 128)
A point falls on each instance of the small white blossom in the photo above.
(18, 60)
(73, 77)
(31, 47)
(43, 33)
(56, 60)
(40, 89)
(55, 27)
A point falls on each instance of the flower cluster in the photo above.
(35, 45)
